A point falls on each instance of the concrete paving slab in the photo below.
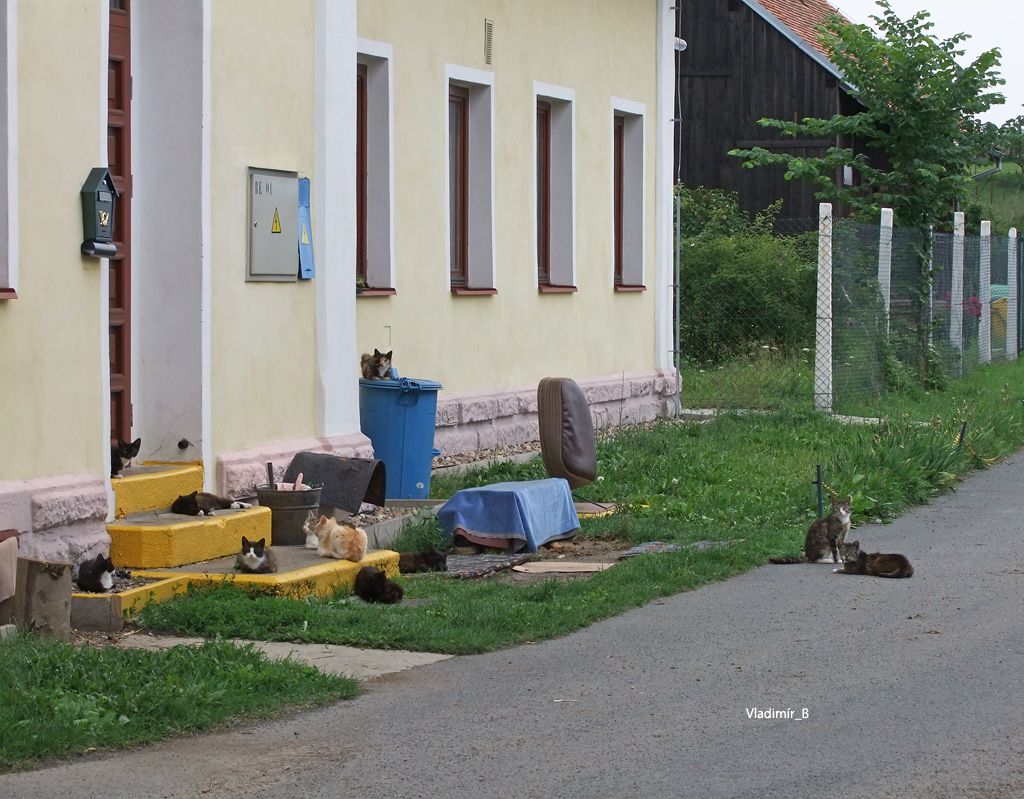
(360, 664)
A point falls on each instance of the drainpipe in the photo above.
(677, 320)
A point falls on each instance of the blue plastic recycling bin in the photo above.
(398, 416)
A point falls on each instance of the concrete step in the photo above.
(160, 539)
(154, 485)
(301, 572)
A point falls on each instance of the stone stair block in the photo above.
(160, 540)
(154, 485)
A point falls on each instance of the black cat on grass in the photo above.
(372, 585)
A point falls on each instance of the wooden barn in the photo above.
(745, 60)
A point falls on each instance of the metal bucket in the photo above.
(288, 512)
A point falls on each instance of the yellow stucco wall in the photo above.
(263, 334)
(51, 397)
(599, 48)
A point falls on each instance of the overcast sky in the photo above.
(990, 23)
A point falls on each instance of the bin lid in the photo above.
(402, 384)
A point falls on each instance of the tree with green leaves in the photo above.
(919, 112)
(1010, 140)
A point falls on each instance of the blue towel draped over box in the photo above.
(531, 511)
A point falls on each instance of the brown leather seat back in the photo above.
(567, 441)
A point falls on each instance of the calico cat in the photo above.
(341, 541)
(376, 366)
(309, 528)
(429, 561)
(96, 575)
(199, 503)
(121, 455)
(824, 535)
(372, 585)
(874, 564)
(255, 557)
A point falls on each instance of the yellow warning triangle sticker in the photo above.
(305, 235)
(276, 227)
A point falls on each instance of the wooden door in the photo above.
(119, 77)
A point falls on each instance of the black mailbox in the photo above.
(98, 199)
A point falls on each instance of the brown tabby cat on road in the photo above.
(874, 564)
(824, 535)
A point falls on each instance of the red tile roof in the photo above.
(802, 17)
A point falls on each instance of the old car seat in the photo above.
(566, 431)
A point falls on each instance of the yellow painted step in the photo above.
(154, 485)
(155, 540)
(322, 577)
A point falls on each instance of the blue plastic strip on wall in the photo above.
(305, 232)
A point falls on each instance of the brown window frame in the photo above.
(543, 193)
(458, 187)
(361, 174)
(617, 190)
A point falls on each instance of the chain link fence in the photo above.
(913, 309)
(837, 314)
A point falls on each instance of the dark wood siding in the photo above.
(735, 70)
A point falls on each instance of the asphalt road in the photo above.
(911, 688)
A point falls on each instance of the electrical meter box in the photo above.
(273, 225)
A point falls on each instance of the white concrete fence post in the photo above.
(1011, 294)
(985, 294)
(823, 329)
(885, 261)
(956, 297)
(931, 284)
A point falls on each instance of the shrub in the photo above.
(744, 292)
(742, 288)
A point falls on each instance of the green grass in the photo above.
(56, 699)
(744, 478)
(766, 379)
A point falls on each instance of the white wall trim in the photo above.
(334, 215)
(629, 107)
(9, 190)
(380, 137)
(663, 188)
(556, 92)
(635, 149)
(565, 228)
(374, 48)
(170, 217)
(482, 121)
(206, 290)
(104, 263)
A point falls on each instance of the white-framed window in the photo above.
(9, 150)
(556, 189)
(374, 174)
(469, 132)
(627, 195)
